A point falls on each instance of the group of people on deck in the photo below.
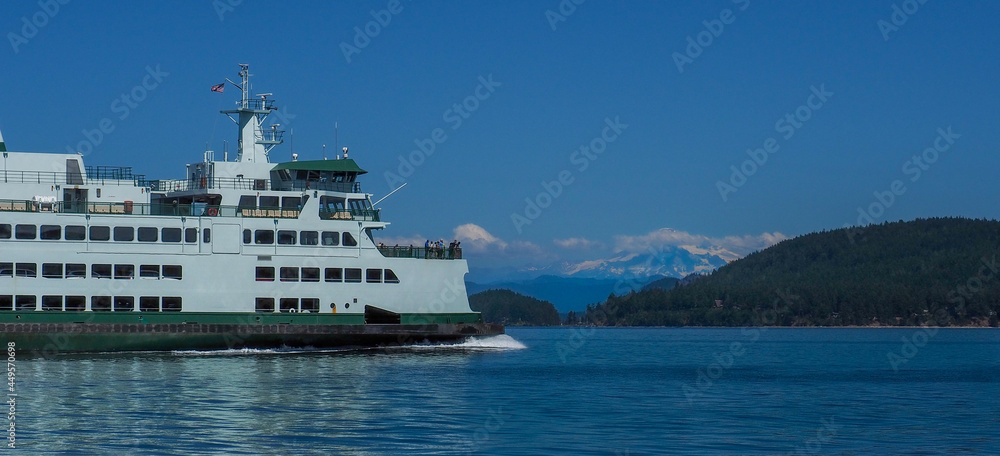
(436, 249)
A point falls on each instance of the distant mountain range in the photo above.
(565, 293)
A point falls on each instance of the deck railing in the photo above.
(430, 253)
(62, 178)
(174, 210)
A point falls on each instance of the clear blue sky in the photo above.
(605, 60)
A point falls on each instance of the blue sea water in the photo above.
(573, 391)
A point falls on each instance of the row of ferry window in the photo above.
(103, 233)
(288, 305)
(349, 275)
(97, 303)
(97, 271)
(290, 237)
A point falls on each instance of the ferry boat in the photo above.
(238, 254)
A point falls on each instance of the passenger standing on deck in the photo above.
(427, 248)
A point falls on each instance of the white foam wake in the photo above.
(498, 342)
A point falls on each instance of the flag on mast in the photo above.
(219, 87)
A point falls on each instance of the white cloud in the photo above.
(729, 247)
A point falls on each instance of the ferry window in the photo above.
(6, 302)
(25, 302)
(149, 304)
(76, 271)
(291, 203)
(310, 305)
(172, 271)
(100, 303)
(170, 235)
(390, 277)
(309, 238)
(6, 269)
(264, 237)
(124, 271)
(349, 240)
(289, 274)
(247, 202)
(310, 274)
(289, 305)
(207, 235)
(76, 303)
(247, 236)
(4, 231)
(100, 271)
(286, 237)
(24, 231)
(373, 276)
(264, 305)
(124, 233)
(269, 202)
(26, 270)
(190, 235)
(52, 270)
(171, 303)
(331, 238)
(352, 275)
(52, 303)
(124, 303)
(76, 233)
(334, 275)
(146, 234)
(50, 232)
(265, 274)
(100, 233)
(149, 271)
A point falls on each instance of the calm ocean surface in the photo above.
(536, 391)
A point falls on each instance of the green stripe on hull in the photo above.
(225, 318)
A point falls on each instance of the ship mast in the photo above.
(254, 141)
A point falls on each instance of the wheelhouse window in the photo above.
(352, 275)
(373, 276)
(331, 238)
(100, 233)
(170, 235)
(50, 232)
(265, 274)
(24, 231)
(76, 233)
(264, 305)
(124, 234)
